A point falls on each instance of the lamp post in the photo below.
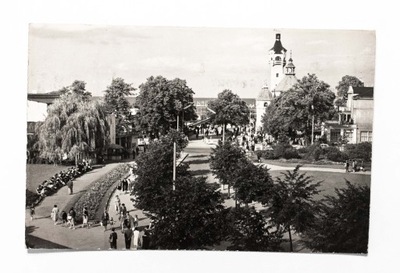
(174, 159)
(312, 125)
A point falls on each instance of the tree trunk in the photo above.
(290, 239)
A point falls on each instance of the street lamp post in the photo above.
(312, 125)
(174, 159)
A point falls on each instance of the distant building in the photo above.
(355, 120)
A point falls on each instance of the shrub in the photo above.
(291, 153)
(361, 151)
(268, 155)
(313, 152)
(333, 154)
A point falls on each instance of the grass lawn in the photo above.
(294, 164)
(333, 180)
(37, 173)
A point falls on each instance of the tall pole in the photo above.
(312, 125)
(223, 133)
(174, 170)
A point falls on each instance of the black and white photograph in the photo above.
(180, 138)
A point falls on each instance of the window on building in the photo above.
(335, 136)
(277, 75)
(366, 136)
(277, 58)
(349, 135)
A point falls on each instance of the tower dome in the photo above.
(264, 94)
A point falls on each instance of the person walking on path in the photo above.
(104, 219)
(346, 165)
(85, 216)
(72, 215)
(128, 237)
(32, 212)
(136, 238)
(64, 218)
(70, 186)
(130, 219)
(135, 221)
(123, 212)
(117, 203)
(54, 214)
(113, 239)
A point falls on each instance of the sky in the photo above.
(209, 59)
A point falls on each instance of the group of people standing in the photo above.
(354, 166)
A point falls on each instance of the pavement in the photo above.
(44, 234)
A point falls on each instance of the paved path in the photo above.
(44, 234)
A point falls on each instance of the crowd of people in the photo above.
(354, 166)
(65, 177)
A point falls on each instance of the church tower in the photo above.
(263, 99)
(277, 61)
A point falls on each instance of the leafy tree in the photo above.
(118, 104)
(293, 110)
(73, 126)
(343, 223)
(229, 109)
(225, 159)
(251, 182)
(343, 88)
(291, 206)
(159, 103)
(154, 172)
(190, 218)
(248, 231)
(77, 87)
(361, 151)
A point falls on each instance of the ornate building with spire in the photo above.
(283, 77)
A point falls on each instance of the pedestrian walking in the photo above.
(64, 217)
(85, 217)
(123, 212)
(32, 212)
(54, 214)
(104, 219)
(117, 203)
(72, 215)
(128, 237)
(136, 238)
(113, 239)
(136, 221)
(346, 165)
(124, 185)
(70, 186)
(131, 220)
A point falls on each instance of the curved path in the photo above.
(43, 234)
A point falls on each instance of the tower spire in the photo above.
(290, 68)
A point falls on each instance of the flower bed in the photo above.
(92, 198)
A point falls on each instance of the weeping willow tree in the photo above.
(74, 127)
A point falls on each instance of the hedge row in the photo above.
(92, 197)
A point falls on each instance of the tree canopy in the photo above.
(118, 104)
(225, 159)
(154, 172)
(77, 87)
(190, 218)
(229, 109)
(343, 87)
(73, 126)
(159, 103)
(291, 206)
(343, 224)
(293, 110)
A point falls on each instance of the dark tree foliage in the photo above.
(229, 109)
(343, 88)
(159, 103)
(251, 183)
(360, 151)
(117, 103)
(291, 206)
(293, 110)
(154, 172)
(190, 218)
(248, 231)
(343, 223)
(225, 159)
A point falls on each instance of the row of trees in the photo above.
(308, 102)
(193, 215)
(334, 224)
